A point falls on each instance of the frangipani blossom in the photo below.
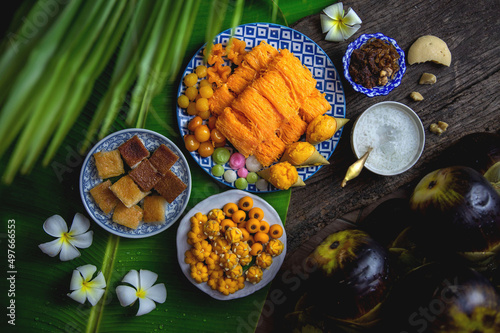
(67, 241)
(142, 289)
(84, 287)
(339, 25)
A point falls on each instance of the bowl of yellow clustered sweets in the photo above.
(231, 244)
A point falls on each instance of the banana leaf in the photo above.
(40, 284)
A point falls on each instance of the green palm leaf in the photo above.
(42, 283)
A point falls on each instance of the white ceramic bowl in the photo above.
(218, 201)
(396, 134)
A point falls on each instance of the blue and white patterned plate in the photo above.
(89, 178)
(378, 90)
(309, 53)
(218, 201)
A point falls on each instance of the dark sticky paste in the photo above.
(374, 63)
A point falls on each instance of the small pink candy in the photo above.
(242, 173)
(237, 161)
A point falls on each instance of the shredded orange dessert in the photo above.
(266, 103)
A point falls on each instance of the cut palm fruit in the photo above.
(429, 48)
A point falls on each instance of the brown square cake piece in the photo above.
(170, 186)
(127, 191)
(133, 151)
(129, 217)
(163, 158)
(154, 208)
(108, 164)
(104, 197)
(145, 175)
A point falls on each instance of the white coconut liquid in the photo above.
(392, 134)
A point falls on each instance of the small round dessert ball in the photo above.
(237, 161)
(252, 164)
(221, 155)
(190, 79)
(217, 170)
(242, 172)
(261, 184)
(241, 183)
(230, 176)
(252, 177)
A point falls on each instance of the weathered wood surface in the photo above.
(466, 96)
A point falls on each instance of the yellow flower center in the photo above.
(141, 293)
(85, 285)
(65, 237)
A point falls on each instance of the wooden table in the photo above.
(465, 96)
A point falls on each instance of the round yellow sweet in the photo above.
(275, 247)
(283, 175)
(233, 235)
(228, 260)
(241, 249)
(235, 272)
(245, 260)
(254, 274)
(264, 260)
(216, 214)
(211, 228)
(221, 246)
(298, 152)
(320, 129)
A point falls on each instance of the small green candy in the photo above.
(252, 177)
(241, 183)
(217, 170)
(221, 155)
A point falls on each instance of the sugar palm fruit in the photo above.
(480, 151)
(442, 297)
(459, 210)
(351, 277)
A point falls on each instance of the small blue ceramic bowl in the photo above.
(378, 90)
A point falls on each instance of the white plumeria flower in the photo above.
(84, 287)
(339, 25)
(142, 289)
(67, 241)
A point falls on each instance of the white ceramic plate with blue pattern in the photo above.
(309, 53)
(89, 179)
(218, 201)
(378, 90)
